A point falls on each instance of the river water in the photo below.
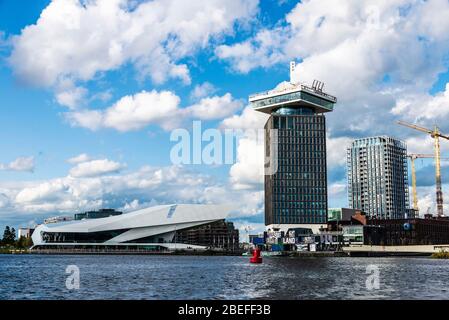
(199, 277)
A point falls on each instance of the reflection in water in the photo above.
(186, 277)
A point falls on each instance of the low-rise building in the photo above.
(24, 232)
(397, 232)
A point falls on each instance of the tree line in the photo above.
(9, 240)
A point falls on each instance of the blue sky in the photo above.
(71, 82)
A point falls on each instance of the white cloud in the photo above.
(336, 151)
(359, 39)
(78, 40)
(426, 200)
(70, 96)
(202, 90)
(95, 168)
(19, 164)
(91, 119)
(4, 200)
(133, 205)
(141, 188)
(248, 171)
(137, 111)
(338, 190)
(254, 228)
(83, 157)
(261, 51)
(130, 112)
(215, 107)
(248, 119)
(423, 107)
(368, 53)
(380, 58)
(47, 191)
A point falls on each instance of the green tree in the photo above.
(21, 242)
(12, 238)
(24, 243)
(6, 235)
(9, 236)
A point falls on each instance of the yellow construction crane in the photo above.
(436, 135)
(413, 157)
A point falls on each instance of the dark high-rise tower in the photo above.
(295, 150)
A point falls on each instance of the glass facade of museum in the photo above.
(217, 234)
(296, 187)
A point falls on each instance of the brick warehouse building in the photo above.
(426, 231)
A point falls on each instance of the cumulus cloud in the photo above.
(19, 164)
(96, 168)
(350, 37)
(215, 107)
(69, 95)
(423, 107)
(248, 171)
(129, 191)
(83, 157)
(369, 54)
(336, 151)
(78, 40)
(137, 111)
(427, 202)
(4, 200)
(247, 119)
(380, 58)
(202, 90)
(337, 189)
(261, 51)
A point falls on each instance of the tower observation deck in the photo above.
(295, 164)
(293, 96)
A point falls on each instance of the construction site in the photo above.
(410, 235)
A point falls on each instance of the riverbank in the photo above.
(440, 255)
(133, 252)
(14, 251)
(313, 254)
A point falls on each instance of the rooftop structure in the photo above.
(293, 95)
(102, 213)
(57, 219)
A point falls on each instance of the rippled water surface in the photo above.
(196, 277)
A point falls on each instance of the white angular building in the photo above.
(165, 227)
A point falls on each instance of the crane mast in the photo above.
(412, 158)
(436, 135)
(439, 191)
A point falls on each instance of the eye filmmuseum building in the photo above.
(295, 154)
(159, 228)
